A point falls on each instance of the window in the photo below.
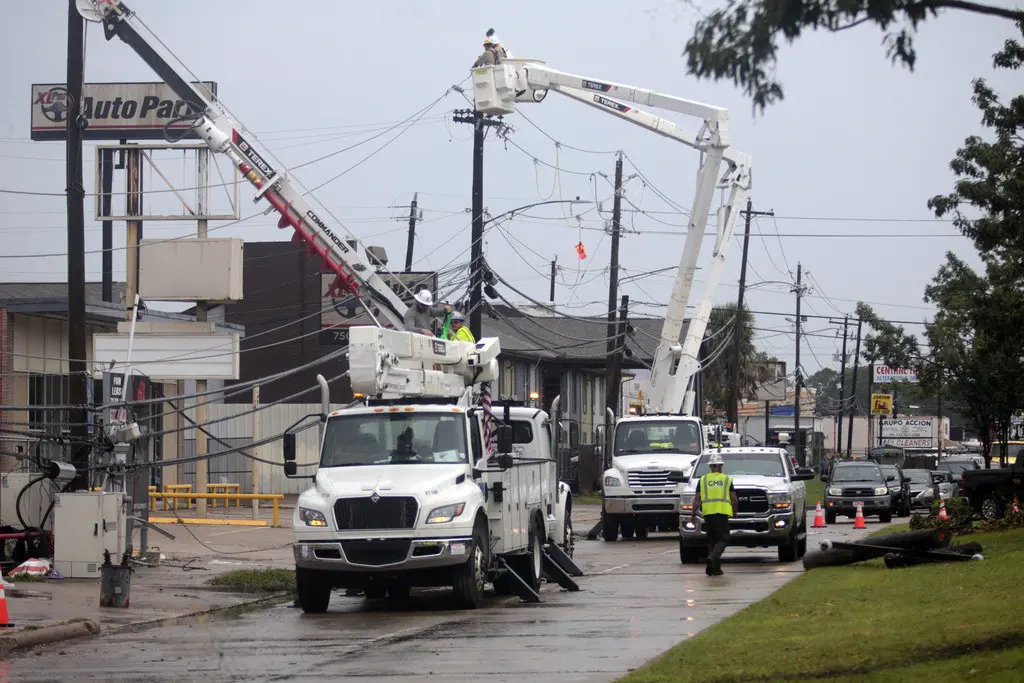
(394, 438)
(522, 432)
(760, 464)
(858, 473)
(48, 390)
(655, 435)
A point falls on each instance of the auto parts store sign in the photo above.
(113, 111)
(910, 432)
(885, 375)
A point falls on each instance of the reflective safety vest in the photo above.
(714, 494)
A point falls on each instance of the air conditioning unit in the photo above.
(84, 525)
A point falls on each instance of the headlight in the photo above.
(881, 490)
(312, 517)
(780, 501)
(835, 491)
(610, 480)
(686, 502)
(445, 513)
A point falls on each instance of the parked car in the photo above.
(899, 490)
(990, 491)
(857, 481)
(922, 487)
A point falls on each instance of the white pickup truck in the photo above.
(772, 497)
(403, 497)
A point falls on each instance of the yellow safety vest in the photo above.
(714, 494)
(465, 335)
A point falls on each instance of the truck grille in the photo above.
(649, 479)
(376, 552)
(752, 501)
(864, 492)
(389, 512)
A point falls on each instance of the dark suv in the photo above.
(899, 490)
(851, 482)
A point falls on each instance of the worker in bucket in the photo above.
(420, 316)
(502, 52)
(491, 55)
(716, 499)
(459, 331)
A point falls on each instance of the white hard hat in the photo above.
(425, 297)
(491, 38)
(715, 459)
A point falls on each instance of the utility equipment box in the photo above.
(33, 503)
(84, 525)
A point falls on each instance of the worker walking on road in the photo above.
(716, 499)
(459, 331)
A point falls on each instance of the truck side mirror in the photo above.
(288, 444)
(290, 469)
(505, 461)
(503, 435)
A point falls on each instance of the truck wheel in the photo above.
(532, 562)
(789, 551)
(991, 508)
(628, 529)
(469, 577)
(885, 517)
(314, 588)
(689, 555)
(610, 528)
(830, 518)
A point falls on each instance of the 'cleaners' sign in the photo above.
(114, 111)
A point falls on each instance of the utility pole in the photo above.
(842, 389)
(614, 376)
(202, 445)
(106, 188)
(412, 234)
(798, 441)
(75, 190)
(853, 405)
(554, 272)
(732, 412)
(476, 260)
(613, 372)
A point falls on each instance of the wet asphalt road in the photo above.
(636, 601)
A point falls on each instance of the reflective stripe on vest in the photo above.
(714, 494)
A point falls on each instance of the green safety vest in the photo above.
(714, 494)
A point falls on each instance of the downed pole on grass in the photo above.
(839, 554)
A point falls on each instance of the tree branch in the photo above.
(1016, 15)
(862, 20)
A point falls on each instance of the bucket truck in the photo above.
(409, 489)
(637, 494)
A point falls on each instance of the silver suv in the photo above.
(772, 497)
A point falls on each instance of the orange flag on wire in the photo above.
(580, 250)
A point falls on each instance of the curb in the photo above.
(199, 612)
(46, 635)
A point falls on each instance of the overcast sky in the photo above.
(855, 150)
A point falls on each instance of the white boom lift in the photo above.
(383, 362)
(637, 494)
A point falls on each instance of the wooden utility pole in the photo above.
(412, 233)
(853, 406)
(732, 410)
(842, 389)
(78, 394)
(613, 371)
(798, 441)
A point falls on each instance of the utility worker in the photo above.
(502, 52)
(420, 316)
(716, 499)
(459, 331)
(491, 55)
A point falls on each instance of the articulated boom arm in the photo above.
(497, 89)
(213, 125)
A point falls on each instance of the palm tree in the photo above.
(755, 366)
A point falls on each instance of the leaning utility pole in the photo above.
(842, 389)
(732, 410)
(613, 371)
(78, 394)
(476, 260)
(853, 405)
(615, 357)
(412, 234)
(797, 439)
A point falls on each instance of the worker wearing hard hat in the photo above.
(491, 54)
(420, 316)
(502, 52)
(459, 331)
(716, 499)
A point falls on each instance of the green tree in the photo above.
(754, 365)
(741, 41)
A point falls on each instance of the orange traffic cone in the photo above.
(942, 509)
(819, 517)
(858, 522)
(5, 622)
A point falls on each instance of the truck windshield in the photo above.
(858, 473)
(736, 464)
(651, 437)
(918, 476)
(394, 438)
